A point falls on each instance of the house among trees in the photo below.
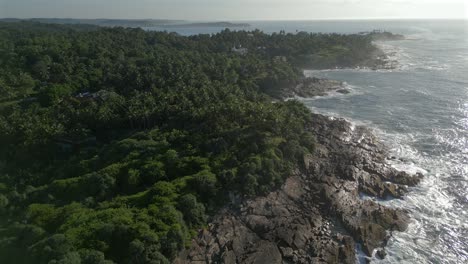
(240, 50)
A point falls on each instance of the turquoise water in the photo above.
(420, 110)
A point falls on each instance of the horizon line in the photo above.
(234, 20)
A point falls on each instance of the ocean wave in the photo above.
(398, 59)
(431, 207)
(439, 216)
(424, 124)
(454, 140)
(403, 61)
(463, 56)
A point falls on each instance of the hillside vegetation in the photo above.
(116, 145)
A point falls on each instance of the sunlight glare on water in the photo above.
(420, 110)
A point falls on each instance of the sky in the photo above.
(235, 9)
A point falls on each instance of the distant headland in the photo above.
(130, 22)
(211, 24)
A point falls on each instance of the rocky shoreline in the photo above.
(380, 61)
(309, 87)
(318, 215)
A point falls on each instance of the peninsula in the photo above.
(120, 145)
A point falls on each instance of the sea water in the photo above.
(420, 110)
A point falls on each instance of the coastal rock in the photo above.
(318, 215)
(311, 87)
(343, 91)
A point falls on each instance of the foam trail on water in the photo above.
(434, 224)
(420, 111)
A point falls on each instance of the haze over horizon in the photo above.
(216, 10)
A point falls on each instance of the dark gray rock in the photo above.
(308, 87)
(317, 216)
(343, 91)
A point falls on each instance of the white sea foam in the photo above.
(352, 90)
(430, 204)
(398, 60)
(424, 123)
(403, 61)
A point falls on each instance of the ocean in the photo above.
(420, 110)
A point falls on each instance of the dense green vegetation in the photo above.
(117, 144)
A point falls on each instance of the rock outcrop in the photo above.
(318, 215)
(311, 86)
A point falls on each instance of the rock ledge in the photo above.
(318, 215)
